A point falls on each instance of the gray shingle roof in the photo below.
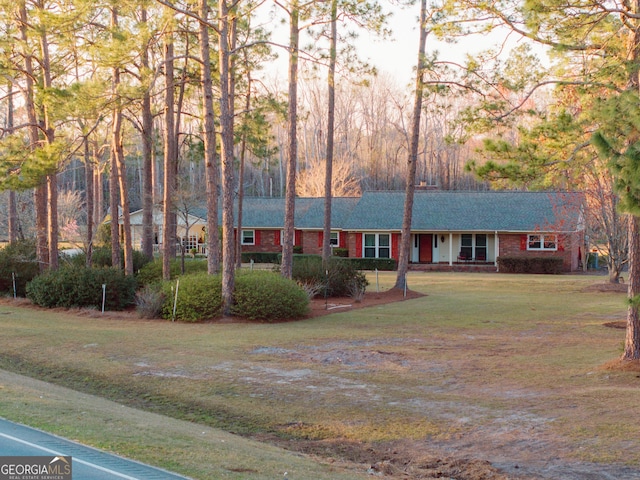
(439, 211)
(469, 211)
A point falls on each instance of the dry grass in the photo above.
(506, 368)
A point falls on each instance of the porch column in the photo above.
(496, 248)
(450, 249)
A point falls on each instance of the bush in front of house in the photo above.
(548, 265)
(82, 287)
(199, 297)
(151, 272)
(268, 297)
(18, 260)
(260, 257)
(101, 257)
(339, 277)
(341, 252)
(382, 264)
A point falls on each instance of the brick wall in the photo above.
(510, 246)
(267, 242)
(310, 243)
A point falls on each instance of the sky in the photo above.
(398, 54)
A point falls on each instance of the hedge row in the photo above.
(548, 265)
(18, 261)
(83, 287)
(152, 272)
(387, 264)
(260, 257)
(101, 257)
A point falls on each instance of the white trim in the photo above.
(543, 242)
(376, 247)
(337, 239)
(242, 238)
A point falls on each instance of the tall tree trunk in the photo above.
(169, 227)
(118, 167)
(243, 151)
(632, 339)
(405, 238)
(176, 135)
(52, 198)
(114, 202)
(89, 200)
(40, 192)
(226, 152)
(292, 160)
(13, 208)
(13, 218)
(98, 190)
(147, 159)
(211, 167)
(42, 225)
(52, 179)
(118, 153)
(328, 175)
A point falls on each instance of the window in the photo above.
(481, 247)
(189, 243)
(334, 240)
(473, 246)
(377, 245)
(542, 242)
(248, 237)
(295, 237)
(466, 245)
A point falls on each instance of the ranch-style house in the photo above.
(450, 229)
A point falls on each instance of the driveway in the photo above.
(88, 463)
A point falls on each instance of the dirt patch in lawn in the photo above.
(607, 287)
(321, 306)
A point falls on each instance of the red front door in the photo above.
(426, 248)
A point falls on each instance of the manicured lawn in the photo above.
(489, 366)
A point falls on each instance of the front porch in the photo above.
(454, 267)
(454, 250)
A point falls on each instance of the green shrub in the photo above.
(382, 264)
(151, 272)
(548, 265)
(339, 276)
(341, 252)
(199, 298)
(345, 280)
(260, 257)
(267, 296)
(82, 287)
(308, 269)
(18, 259)
(101, 257)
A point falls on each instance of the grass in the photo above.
(478, 356)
